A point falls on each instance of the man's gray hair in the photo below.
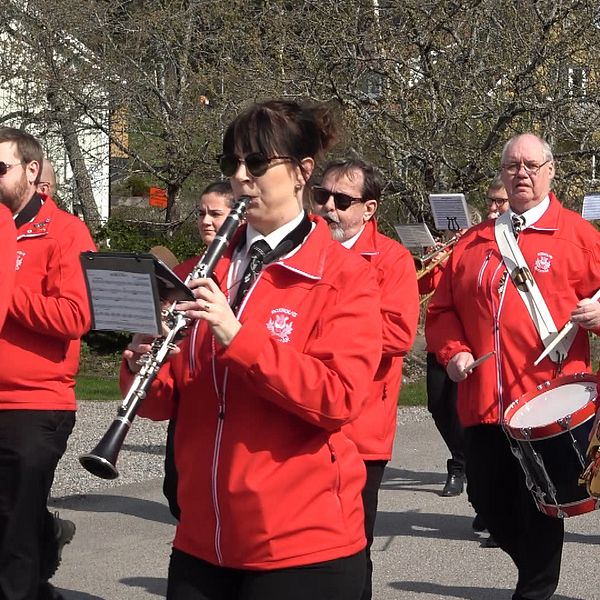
(545, 146)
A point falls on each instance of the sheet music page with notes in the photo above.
(123, 293)
(415, 236)
(591, 207)
(449, 211)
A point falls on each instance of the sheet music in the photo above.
(123, 301)
(449, 211)
(591, 207)
(415, 236)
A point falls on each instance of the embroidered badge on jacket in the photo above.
(20, 257)
(543, 262)
(281, 325)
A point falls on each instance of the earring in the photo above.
(298, 187)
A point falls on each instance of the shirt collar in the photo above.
(533, 215)
(274, 237)
(349, 243)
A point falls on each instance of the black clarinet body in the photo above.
(102, 460)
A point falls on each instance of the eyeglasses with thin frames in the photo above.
(531, 167)
(4, 167)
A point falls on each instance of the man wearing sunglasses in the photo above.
(7, 260)
(347, 198)
(39, 356)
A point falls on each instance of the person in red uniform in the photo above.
(7, 258)
(347, 198)
(39, 356)
(477, 309)
(269, 486)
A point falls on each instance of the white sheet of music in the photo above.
(449, 211)
(591, 207)
(123, 301)
(415, 236)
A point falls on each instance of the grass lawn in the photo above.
(413, 394)
(90, 387)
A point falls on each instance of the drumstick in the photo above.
(562, 333)
(476, 363)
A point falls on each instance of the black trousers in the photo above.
(171, 476)
(193, 579)
(441, 403)
(498, 492)
(31, 444)
(370, 496)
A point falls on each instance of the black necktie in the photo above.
(257, 253)
(518, 222)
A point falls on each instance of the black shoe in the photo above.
(64, 531)
(47, 591)
(478, 524)
(490, 542)
(455, 484)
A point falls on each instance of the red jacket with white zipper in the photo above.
(467, 315)
(267, 479)
(374, 430)
(8, 238)
(48, 313)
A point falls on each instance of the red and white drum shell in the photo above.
(550, 427)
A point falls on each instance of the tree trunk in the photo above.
(83, 184)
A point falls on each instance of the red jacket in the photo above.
(266, 478)
(373, 431)
(48, 313)
(563, 254)
(7, 259)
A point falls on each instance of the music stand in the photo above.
(125, 290)
(590, 210)
(415, 236)
(449, 211)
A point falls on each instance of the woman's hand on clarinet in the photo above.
(457, 366)
(211, 306)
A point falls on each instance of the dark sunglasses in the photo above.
(342, 201)
(256, 163)
(4, 167)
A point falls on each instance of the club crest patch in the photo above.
(20, 257)
(281, 324)
(543, 262)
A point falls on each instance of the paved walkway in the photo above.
(424, 548)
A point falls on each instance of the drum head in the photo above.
(567, 396)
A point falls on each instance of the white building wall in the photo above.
(17, 94)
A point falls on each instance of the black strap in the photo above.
(30, 211)
(260, 256)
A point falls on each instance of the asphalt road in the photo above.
(425, 548)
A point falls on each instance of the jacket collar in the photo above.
(549, 221)
(308, 261)
(41, 223)
(366, 244)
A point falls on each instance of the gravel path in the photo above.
(141, 457)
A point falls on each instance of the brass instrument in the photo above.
(427, 263)
(591, 475)
(102, 460)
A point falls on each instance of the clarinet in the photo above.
(102, 460)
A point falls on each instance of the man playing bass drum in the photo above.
(477, 308)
